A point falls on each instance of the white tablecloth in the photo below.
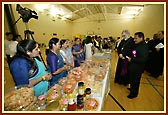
(105, 90)
(106, 82)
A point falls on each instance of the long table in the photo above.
(104, 54)
(106, 82)
(105, 90)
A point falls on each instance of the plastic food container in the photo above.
(55, 87)
(53, 106)
(63, 102)
(62, 81)
(19, 98)
(53, 95)
(91, 104)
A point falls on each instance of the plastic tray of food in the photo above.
(92, 104)
(19, 98)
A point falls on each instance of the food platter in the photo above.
(19, 98)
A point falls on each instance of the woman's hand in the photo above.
(66, 67)
(81, 50)
(48, 76)
(72, 65)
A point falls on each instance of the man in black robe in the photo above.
(137, 63)
(151, 53)
(158, 56)
(124, 49)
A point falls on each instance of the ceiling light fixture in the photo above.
(41, 7)
(132, 10)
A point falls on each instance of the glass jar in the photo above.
(79, 98)
(87, 92)
(71, 103)
(80, 103)
(80, 88)
(80, 106)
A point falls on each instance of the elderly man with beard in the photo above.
(124, 49)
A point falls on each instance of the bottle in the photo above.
(87, 92)
(71, 103)
(81, 88)
(80, 103)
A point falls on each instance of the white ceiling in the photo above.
(100, 12)
(92, 12)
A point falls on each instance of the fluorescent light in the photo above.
(55, 11)
(129, 16)
(41, 7)
(63, 18)
(134, 10)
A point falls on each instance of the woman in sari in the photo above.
(27, 69)
(78, 52)
(66, 52)
(55, 61)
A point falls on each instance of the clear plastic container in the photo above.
(53, 95)
(53, 106)
(91, 104)
(62, 81)
(68, 88)
(19, 98)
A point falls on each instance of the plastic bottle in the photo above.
(71, 103)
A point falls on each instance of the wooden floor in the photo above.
(151, 95)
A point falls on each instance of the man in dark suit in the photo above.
(137, 63)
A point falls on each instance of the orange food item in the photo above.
(77, 71)
(99, 77)
(62, 81)
(78, 77)
(70, 76)
(18, 99)
(68, 88)
(72, 81)
(91, 104)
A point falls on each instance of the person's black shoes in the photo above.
(131, 96)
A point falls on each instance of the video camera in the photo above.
(26, 14)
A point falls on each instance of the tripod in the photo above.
(27, 35)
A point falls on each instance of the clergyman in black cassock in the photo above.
(124, 49)
(158, 57)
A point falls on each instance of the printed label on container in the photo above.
(64, 101)
(91, 103)
(54, 87)
(68, 86)
(54, 96)
(81, 91)
(41, 97)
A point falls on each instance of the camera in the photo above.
(26, 14)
